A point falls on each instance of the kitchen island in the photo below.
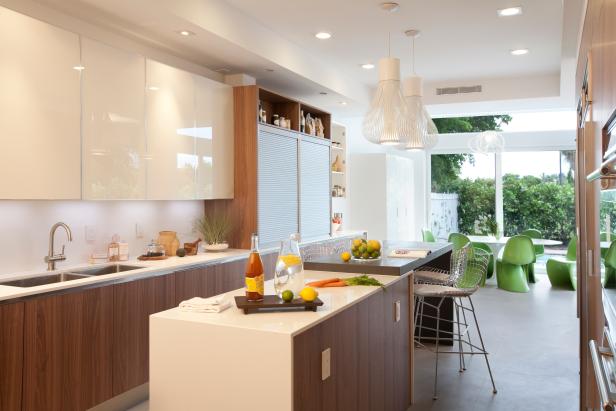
(353, 353)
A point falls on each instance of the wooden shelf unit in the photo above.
(242, 209)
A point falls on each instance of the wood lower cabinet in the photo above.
(133, 302)
(370, 357)
(11, 355)
(68, 341)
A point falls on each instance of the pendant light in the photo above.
(387, 120)
(423, 132)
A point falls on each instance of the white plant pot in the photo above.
(216, 247)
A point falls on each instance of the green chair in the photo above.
(539, 250)
(458, 240)
(490, 270)
(512, 264)
(609, 281)
(603, 237)
(561, 270)
(427, 236)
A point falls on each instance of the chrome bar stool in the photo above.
(460, 284)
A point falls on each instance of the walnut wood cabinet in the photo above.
(370, 358)
(11, 355)
(68, 342)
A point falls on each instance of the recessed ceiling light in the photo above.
(223, 70)
(391, 7)
(509, 11)
(343, 103)
(186, 33)
(79, 67)
(153, 88)
(323, 35)
(367, 66)
(269, 70)
(323, 93)
(519, 52)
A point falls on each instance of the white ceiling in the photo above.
(462, 42)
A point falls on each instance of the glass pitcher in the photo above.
(289, 274)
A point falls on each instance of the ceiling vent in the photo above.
(458, 90)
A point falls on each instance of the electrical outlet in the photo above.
(326, 363)
(90, 233)
(138, 230)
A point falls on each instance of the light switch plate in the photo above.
(397, 311)
(138, 230)
(90, 233)
(326, 362)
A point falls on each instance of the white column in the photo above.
(498, 185)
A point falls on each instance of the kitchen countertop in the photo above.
(334, 299)
(149, 269)
(384, 266)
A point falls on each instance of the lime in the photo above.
(375, 254)
(357, 242)
(365, 255)
(363, 248)
(370, 249)
(287, 296)
(180, 252)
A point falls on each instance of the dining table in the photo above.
(500, 241)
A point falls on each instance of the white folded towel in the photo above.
(205, 305)
(407, 253)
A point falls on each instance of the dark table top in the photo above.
(384, 266)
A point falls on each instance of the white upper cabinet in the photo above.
(114, 141)
(39, 110)
(170, 119)
(214, 138)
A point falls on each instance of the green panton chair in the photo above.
(458, 240)
(512, 264)
(603, 237)
(561, 270)
(539, 250)
(609, 281)
(427, 236)
(490, 270)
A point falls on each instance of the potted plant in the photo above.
(214, 228)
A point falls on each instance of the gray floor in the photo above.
(533, 343)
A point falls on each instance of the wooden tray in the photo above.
(274, 303)
(144, 258)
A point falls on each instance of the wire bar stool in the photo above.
(468, 266)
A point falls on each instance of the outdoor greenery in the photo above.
(446, 167)
(545, 204)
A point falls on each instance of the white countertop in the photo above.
(149, 268)
(334, 299)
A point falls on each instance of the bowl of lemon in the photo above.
(365, 250)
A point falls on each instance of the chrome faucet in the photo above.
(51, 258)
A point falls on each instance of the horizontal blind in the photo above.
(315, 189)
(277, 187)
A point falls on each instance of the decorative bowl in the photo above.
(216, 247)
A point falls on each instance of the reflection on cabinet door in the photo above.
(214, 138)
(113, 123)
(170, 126)
(40, 110)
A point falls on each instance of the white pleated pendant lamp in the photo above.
(387, 121)
(423, 134)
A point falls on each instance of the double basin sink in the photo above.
(70, 275)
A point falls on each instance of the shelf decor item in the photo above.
(214, 228)
(338, 165)
(169, 241)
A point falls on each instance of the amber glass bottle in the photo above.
(254, 272)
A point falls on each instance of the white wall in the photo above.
(26, 225)
(357, 144)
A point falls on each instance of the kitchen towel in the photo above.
(406, 253)
(205, 305)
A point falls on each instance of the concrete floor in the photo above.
(533, 343)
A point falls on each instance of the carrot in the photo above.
(341, 283)
(321, 283)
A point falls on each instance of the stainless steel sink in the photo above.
(43, 280)
(106, 269)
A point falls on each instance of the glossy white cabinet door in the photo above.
(214, 138)
(170, 131)
(114, 141)
(39, 110)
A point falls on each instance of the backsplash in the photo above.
(26, 226)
